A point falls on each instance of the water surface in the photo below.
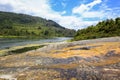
(7, 43)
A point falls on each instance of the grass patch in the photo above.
(22, 50)
(12, 37)
(25, 49)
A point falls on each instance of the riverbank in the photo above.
(19, 49)
(23, 45)
(96, 59)
(58, 46)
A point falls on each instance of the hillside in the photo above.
(107, 28)
(26, 26)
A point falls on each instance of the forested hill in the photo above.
(107, 28)
(26, 26)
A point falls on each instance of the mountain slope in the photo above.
(107, 28)
(22, 25)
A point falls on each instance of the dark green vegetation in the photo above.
(107, 28)
(22, 50)
(25, 49)
(14, 25)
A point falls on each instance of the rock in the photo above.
(110, 53)
(48, 61)
(85, 48)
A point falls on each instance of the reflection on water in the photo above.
(6, 43)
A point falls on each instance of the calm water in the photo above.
(6, 43)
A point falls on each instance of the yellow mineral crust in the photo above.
(100, 49)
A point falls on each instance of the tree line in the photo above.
(106, 28)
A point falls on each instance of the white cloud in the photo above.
(85, 11)
(80, 9)
(95, 2)
(39, 7)
(75, 22)
(93, 14)
(85, 7)
(64, 12)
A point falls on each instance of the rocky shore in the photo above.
(75, 43)
(97, 59)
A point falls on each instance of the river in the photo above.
(7, 43)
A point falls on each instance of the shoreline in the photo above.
(57, 46)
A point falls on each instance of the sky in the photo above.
(72, 14)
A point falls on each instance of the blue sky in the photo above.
(73, 14)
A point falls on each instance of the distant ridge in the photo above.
(26, 26)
